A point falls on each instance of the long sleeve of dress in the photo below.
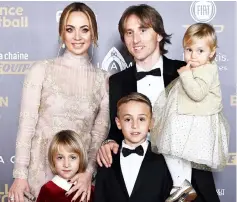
(197, 82)
(100, 128)
(28, 118)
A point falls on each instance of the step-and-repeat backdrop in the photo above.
(29, 32)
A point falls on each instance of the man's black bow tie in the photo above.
(154, 72)
(138, 150)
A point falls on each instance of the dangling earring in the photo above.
(63, 45)
(92, 52)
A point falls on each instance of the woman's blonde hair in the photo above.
(72, 141)
(78, 6)
(201, 31)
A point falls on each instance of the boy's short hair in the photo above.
(73, 142)
(136, 97)
(200, 31)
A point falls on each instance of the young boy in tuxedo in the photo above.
(136, 174)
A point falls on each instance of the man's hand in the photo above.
(104, 155)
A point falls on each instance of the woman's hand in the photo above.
(16, 192)
(82, 184)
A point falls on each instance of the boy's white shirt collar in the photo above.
(59, 181)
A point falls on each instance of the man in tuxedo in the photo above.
(141, 29)
(137, 174)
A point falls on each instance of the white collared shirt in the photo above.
(60, 182)
(130, 166)
(151, 86)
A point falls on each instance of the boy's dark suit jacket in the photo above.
(125, 82)
(153, 182)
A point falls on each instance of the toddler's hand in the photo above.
(184, 68)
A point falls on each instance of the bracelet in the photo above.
(107, 141)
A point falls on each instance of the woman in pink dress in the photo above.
(66, 93)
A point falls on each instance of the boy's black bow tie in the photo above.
(154, 72)
(138, 150)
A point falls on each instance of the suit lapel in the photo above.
(169, 70)
(119, 175)
(168, 75)
(142, 174)
(129, 80)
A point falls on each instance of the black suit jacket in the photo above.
(125, 82)
(153, 183)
